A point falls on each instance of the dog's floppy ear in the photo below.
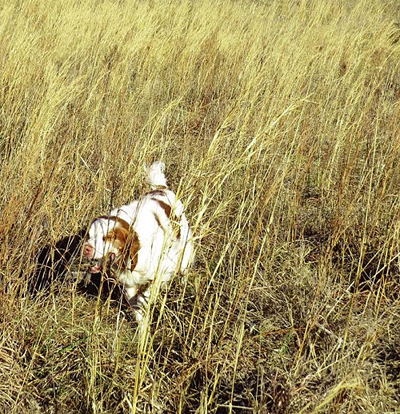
(126, 240)
(128, 243)
(119, 237)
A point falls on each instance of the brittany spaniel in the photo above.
(147, 239)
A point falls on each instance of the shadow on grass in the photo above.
(56, 263)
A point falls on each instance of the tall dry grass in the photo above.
(279, 124)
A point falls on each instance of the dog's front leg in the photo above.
(138, 299)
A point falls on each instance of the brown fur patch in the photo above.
(117, 236)
(121, 222)
(158, 221)
(134, 249)
(164, 206)
(126, 240)
(156, 192)
(167, 208)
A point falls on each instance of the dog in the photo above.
(146, 240)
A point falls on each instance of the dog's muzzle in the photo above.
(101, 265)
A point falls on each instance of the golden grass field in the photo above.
(279, 122)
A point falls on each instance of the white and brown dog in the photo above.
(146, 240)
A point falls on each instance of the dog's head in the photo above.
(113, 242)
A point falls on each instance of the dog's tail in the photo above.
(156, 176)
